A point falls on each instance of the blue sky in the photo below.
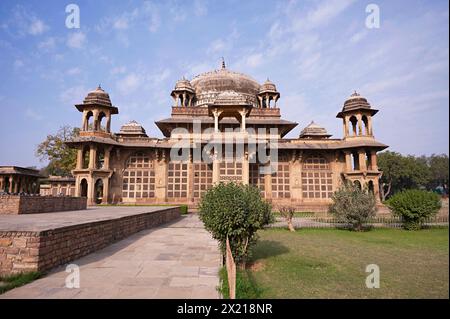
(316, 52)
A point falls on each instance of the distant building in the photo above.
(129, 166)
(15, 180)
(58, 186)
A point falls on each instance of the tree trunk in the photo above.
(231, 271)
(290, 225)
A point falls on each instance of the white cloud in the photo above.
(129, 83)
(325, 12)
(217, 46)
(151, 12)
(73, 95)
(254, 60)
(18, 63)
(48, 44)
(121, 23)
(32, 114)
(73, 71)
(37, 27)
(76, 40)
(200, 8)
(359, 36)
(118, 70)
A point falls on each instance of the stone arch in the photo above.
(101, 121)
(365, 122)
(100, 157)
(353, 125)
(83, 187)
(357, 184)
(85, 157)
(98, 191)
(89, 121)
(371, 187)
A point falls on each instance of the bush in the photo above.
(353, 206)
(236, 211)
(414, 206)
(183, 209)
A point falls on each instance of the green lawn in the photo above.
(10, 282)
(330, 263)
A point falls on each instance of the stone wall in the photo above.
(44, 250)
(13, 204)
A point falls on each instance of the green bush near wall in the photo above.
(183, 209)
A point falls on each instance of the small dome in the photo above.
(355, 101)
(184, 85)
(314, 130)
(98, 96)
(132, 128)
(268, 86)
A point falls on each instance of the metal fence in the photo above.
(377, 222)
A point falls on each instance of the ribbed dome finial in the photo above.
(223, 63)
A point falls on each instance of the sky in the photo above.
(316, 52)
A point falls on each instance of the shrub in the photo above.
(183, 209)
(414, 206)
(236, 211)
(353, 206)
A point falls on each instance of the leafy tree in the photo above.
(414, 206)
(353, 205)
(62, 159)
(401, 172)
(235, 211)
(439, 169)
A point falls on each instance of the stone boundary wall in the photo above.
(14, 204)
(43, 250)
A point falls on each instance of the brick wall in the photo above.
(13, 204)
(42, 251)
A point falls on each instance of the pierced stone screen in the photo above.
(317, 179)
(138, 177)
(177, 180)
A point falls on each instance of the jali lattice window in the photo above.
(231, 171)
(256, 178)
(317, 179)
(138, 177)
(177, 180)
(280, 181)
(202, 178)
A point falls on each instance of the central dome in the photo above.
(208, 85)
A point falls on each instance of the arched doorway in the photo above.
(357, 184)
(98, 188)
(371, 187)
(83, 188)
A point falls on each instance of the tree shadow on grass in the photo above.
(267, 248)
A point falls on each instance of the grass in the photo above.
(246, 287)
(14, 281)
(331, 263)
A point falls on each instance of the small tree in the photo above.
(235, 211)
(288, 213)
(353, 205)
(414, 206)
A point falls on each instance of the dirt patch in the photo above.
(256, 266)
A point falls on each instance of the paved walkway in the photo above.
(176, 260)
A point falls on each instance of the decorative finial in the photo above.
(223, 63)
(99, 87)
(355, 93)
